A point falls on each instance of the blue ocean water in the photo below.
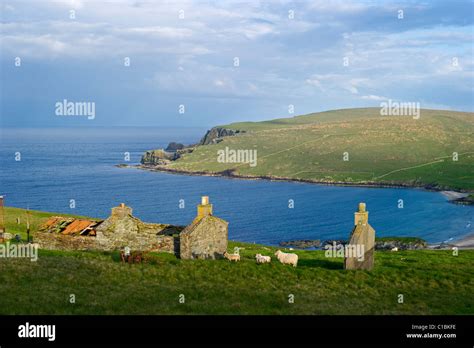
(58, 165)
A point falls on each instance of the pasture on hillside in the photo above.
(431, 282)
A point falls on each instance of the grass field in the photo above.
(381, 149)
(431, 282)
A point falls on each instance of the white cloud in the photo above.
(373, 97)
(157, 31)
(219, 83)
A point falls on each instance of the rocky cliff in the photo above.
(174, 150)
(215, 135)
(173, 147)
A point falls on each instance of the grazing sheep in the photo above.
(285, 258)
(232, 257)
(262, 259)
(395, 249)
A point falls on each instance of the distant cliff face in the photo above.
(214, 135)
(173, 147)
(176, 150)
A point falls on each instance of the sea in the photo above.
(73, 170)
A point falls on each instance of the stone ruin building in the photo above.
(205, 238)
(122, 229)
(362, 234)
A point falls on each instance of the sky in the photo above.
(207, 63)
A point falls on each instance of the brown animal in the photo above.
(123, 257)
(134, 257)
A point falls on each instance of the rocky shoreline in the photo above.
(468, 200)
(232, 175)
(466, 242)
(385, 244)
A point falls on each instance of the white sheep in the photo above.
(232, 257)
(395, 249)
(285, 258)
(262, 259)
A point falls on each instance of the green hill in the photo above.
(392, 150)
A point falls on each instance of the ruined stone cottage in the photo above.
(205, 237)
(122, 229)
(362, 235)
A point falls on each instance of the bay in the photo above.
(60, 165)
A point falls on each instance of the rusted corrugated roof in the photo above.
(53, 220)
(77, 226)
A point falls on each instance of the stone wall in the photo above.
(54, 241)
(168, 244)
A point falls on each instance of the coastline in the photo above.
(465, 242)
(451, 194)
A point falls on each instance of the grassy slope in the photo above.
(433, 282)
(311, 147)
(36, 219)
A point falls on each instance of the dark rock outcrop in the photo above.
(330, 243)
(186, 149)
(215, 135)
(386, 244)
(158, 157)
(468, 200)
(173, 147)
(175, 150)
(302, 244)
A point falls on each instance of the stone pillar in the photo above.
(359, 253)
(205, 208)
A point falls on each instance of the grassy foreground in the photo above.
(432, 282)
(396, 150)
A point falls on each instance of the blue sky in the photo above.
(425, 57)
